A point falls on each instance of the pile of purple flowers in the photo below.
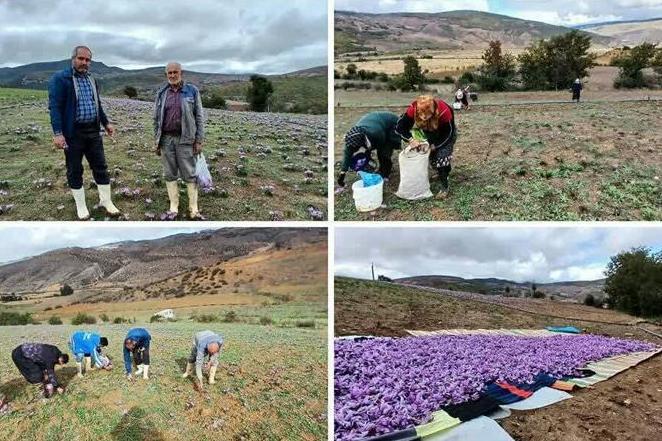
(383, 385)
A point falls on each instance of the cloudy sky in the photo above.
(559, 12)
(518, 254)
(19, 241)
(262, 36)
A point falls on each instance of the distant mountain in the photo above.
(630, 32)
(446, 30)
(493, 286)
(140, 263)
(604, 23)
(36, 76)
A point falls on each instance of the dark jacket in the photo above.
(442, 138)
(576, 88)
(62, 102)
(45, 356)
(379, 127)
(142, 339)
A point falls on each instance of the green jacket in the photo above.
(379, 127)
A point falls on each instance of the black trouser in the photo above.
(141, 355)
(86, 142)
(385, 162)
(575, 96)
(28, 368)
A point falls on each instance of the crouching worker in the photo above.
(374, 131)
(136, 343)
(436, 120)
(86, 346)
(205, 344)
(36, 362)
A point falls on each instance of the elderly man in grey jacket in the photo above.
(205, 344)
(179, 133)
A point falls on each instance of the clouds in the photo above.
(561, 12)
(26, 240)
(520, 254)
(221, 36)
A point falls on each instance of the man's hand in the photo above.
(60, 390)
(197, 147)
(59, 141)
(157, 150)
(198, 386)
(341, 179)
(110, 129)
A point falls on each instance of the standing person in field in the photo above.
(576, 90)
(136, 344)
(36, 362)
(86, 346)
(374, 131)
(179, 133)
(462, 96)
(205, 344)
(436, 120)
(76, 118)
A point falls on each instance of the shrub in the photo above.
(204, 318)
(120, 320)
(634, 282)
(589, 300)
(104, 318)
(230, 316)
(305, 323)
(66, 290)
(54, 320)
(14, 318)
(266, 320)
(131, 92)
(82, 318)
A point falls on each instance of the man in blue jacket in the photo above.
(136, 343)
(76, 118)
(87, 346)
(178, 134)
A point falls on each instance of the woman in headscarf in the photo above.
(436, 120)
(576, 90)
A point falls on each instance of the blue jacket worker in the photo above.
(205, 344)
(87, 346)
(76, 118)
(179, 133)
(136, 344)
(36, 362)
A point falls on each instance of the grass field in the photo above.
(265, 166)
(555, 161)
(271, 383)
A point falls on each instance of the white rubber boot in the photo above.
(189, 370)
(139, 370)
(146, 371)
(212, 375)
(192, 190)
(81, 206)
(106, 202)
(79, 368)
(88, 364)
(173, 195)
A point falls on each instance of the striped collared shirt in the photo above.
(86, 111)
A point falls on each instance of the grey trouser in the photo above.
(177, 159)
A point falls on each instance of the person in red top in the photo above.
(436, 120)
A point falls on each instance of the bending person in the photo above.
(87, 346)
(36, 362)
(205, 344)
(136, 344)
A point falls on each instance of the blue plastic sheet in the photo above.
(370, 179)
(566, 329)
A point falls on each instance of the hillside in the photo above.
(494, 286)
(630, 33)
(128, 265)
(439, 31)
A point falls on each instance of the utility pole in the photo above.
(372, 268)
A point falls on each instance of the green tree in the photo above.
(589, 300)
(631, 64)
(557, 62)
(351, 70)
(258, 93)
(212, 99)
(66, 290)
(412, 76)
(498, 69)
(131, 92)
(634, 282)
